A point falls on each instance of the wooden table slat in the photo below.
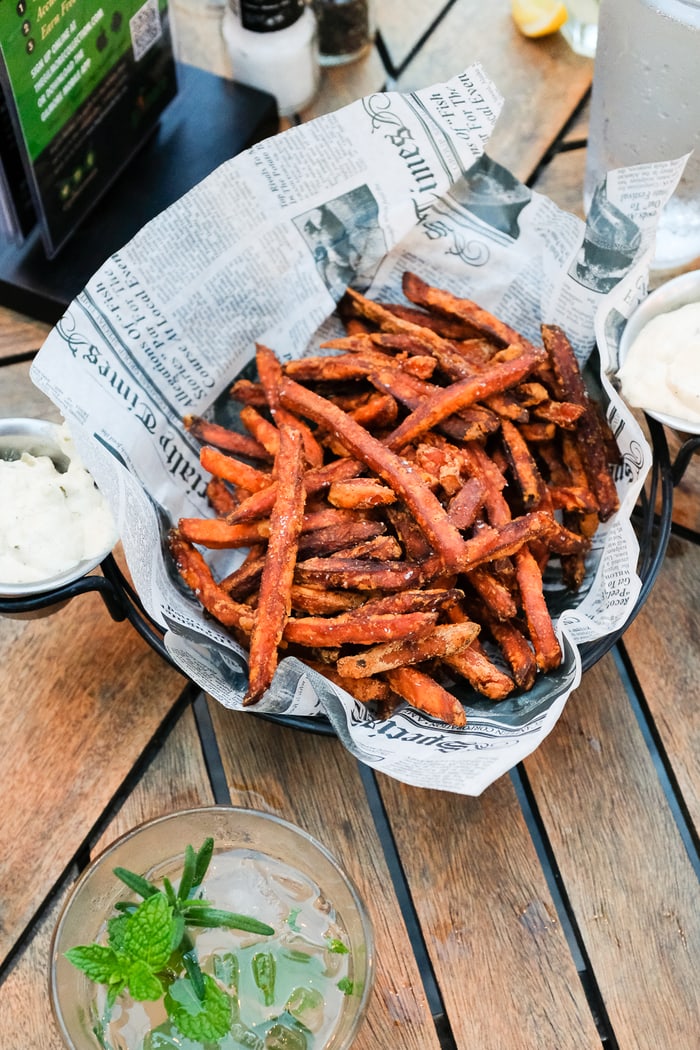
(85, 703)
(488, 918)
(664, 647)
(626, 871)
(19, 335)
(71, 736)
(542, 81)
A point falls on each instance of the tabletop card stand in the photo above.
(208, 122)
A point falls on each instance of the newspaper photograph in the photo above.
(261, 252)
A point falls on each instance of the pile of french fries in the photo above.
(399, 500)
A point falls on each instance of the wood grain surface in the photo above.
(663, 645)
(542, 81)
(313, 782)
(19, 334)
(622, 859)
(82, 698)
(22, 399)
(502, 962)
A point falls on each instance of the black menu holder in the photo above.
(209, 121)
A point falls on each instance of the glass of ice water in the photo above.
(645, 106)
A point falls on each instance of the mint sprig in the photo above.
(150, 952)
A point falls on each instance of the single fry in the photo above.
(425, 694)
(220, 497)
(364, 575)
(421, 293)
(540, 627)
(226, 440)
(360, 492)
(473, 664)
(274, 602)
(197, 575)
(334, 538)
(495, 377)
(261, 429)
(270, 372)
(381, 548)
(516, 650)
(366, 690)
(441, 641)
(228, 468)
(217, 534)
(589, 432)
(523, 465)
(467, 503)
(260, 503)
(316, 602)
(354, 628)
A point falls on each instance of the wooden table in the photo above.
(560, 910)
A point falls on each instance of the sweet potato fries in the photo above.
(399, 499)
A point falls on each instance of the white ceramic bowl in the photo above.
(42, 438)
(670, 296)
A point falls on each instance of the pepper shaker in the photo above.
(345, 29)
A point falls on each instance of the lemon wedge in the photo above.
(538, 17)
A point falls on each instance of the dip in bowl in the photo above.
(660, 355)
(55, 525)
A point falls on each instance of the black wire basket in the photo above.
(651, 520)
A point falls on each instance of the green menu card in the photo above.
(85, 82)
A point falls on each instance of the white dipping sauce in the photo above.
(49, 521)
(661, 371)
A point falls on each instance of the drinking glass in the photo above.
(645, 107)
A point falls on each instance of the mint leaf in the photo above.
(143, 983)
(345, 985)
(205, 1019)
(148, 934)
(115, 932)
(101, 964)
(178, 930)
(334, 945)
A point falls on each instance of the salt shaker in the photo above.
(273, 46)
(344, 29)
(645, 106)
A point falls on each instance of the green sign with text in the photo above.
(85, 82)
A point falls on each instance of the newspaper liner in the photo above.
(261, 250)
